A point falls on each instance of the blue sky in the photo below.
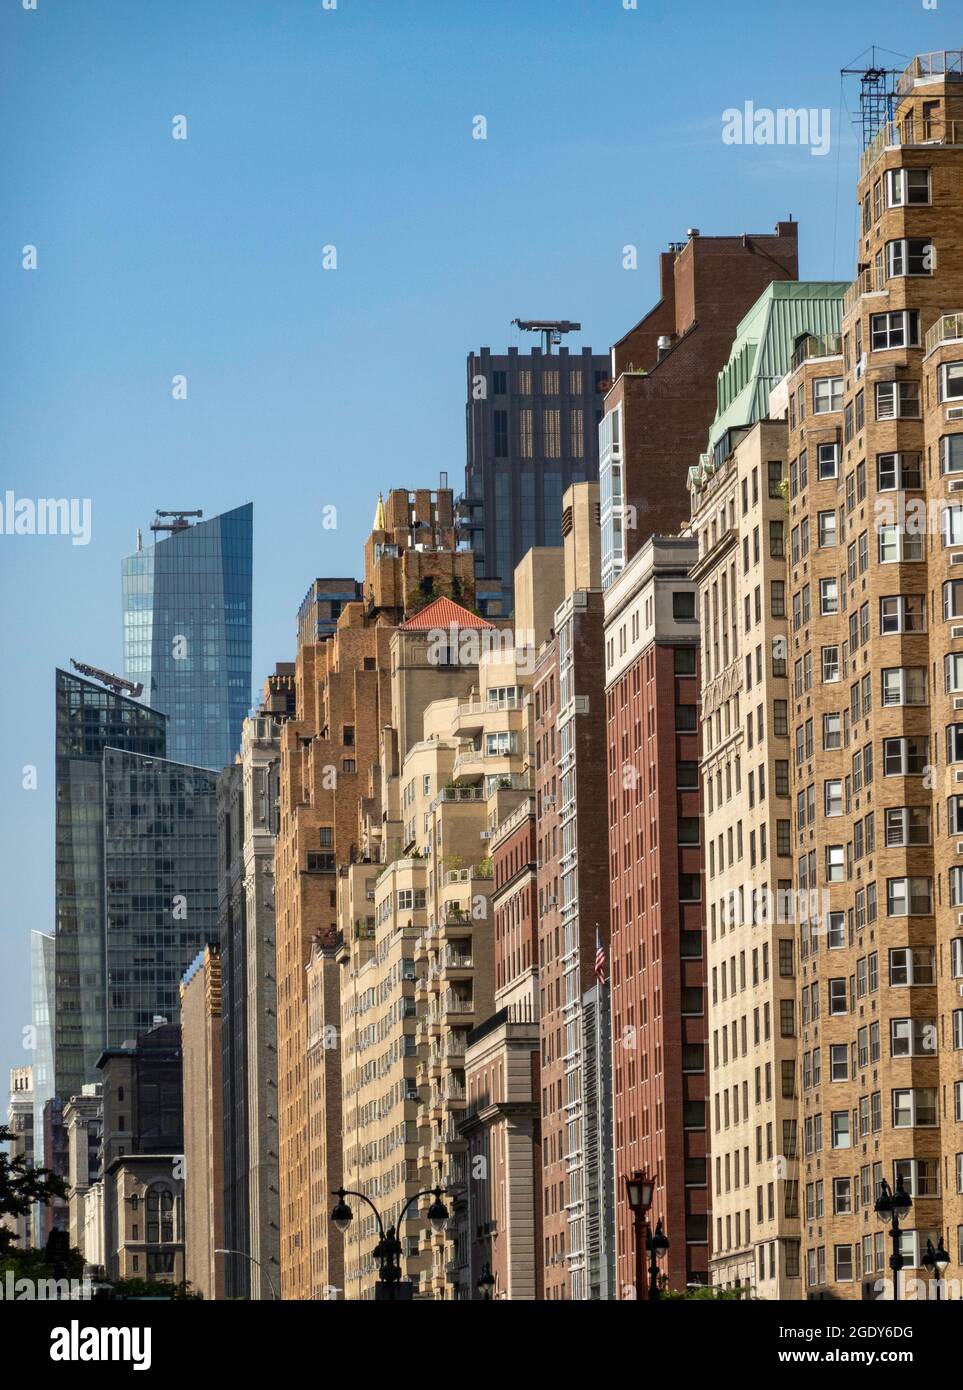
(310, 388)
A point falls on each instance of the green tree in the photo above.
(22, 1186)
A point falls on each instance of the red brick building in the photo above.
(662, 399)
(657, 956)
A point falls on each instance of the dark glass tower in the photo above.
(532, 430)
(160, 869)
(187, 633)
(88, 720)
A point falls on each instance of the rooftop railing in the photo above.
(947, 329)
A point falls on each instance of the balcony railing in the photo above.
(947, 62)
(900, 134)
(947, 329)
(817, 345)
(869, 281)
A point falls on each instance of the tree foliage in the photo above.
(21, 1187)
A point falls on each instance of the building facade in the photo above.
(88, 720)
(873, 456)
(532, 422)
(739, 519)
(187, 633)
(203, 1127)
(658, 948)
(662, 397)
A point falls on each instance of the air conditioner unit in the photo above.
(958, 776)
(958, 703)
(955, 486)
(959, 919)
(954, 412)
(956, 631)
(957, 557)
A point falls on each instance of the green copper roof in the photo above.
(763, 347)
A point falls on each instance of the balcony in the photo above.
(872, 280)
(946, 62)
(895, 135)
(453, 793)
(948, 329)
(817, 345)
(457, 1007)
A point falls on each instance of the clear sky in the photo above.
(307, 388)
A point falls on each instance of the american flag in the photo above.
(599, 959)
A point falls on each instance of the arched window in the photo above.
(160, 1216)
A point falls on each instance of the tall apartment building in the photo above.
(532, 421)
(187, 631)
(330, 754)
(662, 396)
(247, 810)
(738, 517)
(203, 1126)
(740, 522)
(573, 920)
(875, 537)
(418, 964)
(658, 949)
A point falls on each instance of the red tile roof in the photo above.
(442, 613)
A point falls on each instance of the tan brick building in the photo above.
(874, 450)
(330, 752)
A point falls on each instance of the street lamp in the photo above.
(657, 1246)
(245, 1256)
(388, 1251)
(936, 1261)
(486, 1282)
(891, 1206)
(638, 1190)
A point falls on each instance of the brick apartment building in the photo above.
(663, 393)
(658, 946)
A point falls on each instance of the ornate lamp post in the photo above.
(388, 1251)
(936, 1261)
(638, 1189)
(892, 1206)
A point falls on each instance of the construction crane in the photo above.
(550, 329)
(179, 521)
(115, 683)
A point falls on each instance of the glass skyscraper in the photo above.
(187, 633)
(160, 872)
(88, 720)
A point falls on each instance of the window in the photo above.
(909, 897)
(828, 597)
(914, 1108)
(684, 661)
(840, 1129)
(685, 719)
(827, 394)
(833, 797)
(904, 685)
(683, 605)
(827, 461)
(895, 330)
(830, 664)
(907, 825)
(951, 453)
(912, 1037)
(906, 757)
(896, 400)
(906, 187)
(910, 256)
(898, 471)
(902, 613)
(951, 381)
(835, 864)
(775, 478)
(832, 731)
(827, 528)
(897, 546)
(953, 598)
(911, 965)
(838, 996)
